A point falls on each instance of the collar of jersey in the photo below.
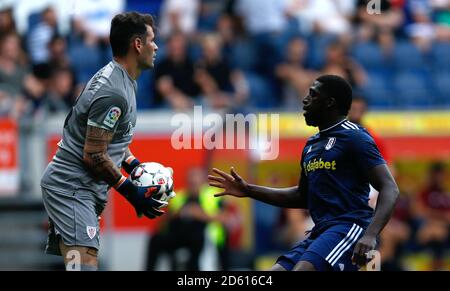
(125, 71)
(326, 129)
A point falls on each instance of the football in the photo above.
(155, 175)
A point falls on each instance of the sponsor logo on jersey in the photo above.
(112, 117)
(319, 164)
(91, 231)
(330, 143)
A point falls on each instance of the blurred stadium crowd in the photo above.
(233, 55)
(244, 56)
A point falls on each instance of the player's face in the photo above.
(314, 105)
(148, 52)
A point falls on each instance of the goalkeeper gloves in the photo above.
(141, 198)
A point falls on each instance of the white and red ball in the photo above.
(156, 175)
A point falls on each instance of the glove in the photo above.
(141, 198)
(129, 164)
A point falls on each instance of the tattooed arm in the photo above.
(95, 155)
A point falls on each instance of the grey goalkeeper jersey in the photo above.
(108, 101)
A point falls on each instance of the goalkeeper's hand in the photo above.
(141, 198)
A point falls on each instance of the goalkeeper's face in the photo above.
(147, 54)
(314, 105)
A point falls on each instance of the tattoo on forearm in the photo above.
(96, 157)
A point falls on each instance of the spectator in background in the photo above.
(61, 93)
(7, 24)
(12, 75)
(41, 35)
(94, 17)
(91, 24)
(433, 209)
(421, 30)
(219, 85)
(12, 71)
(391, 16)
(36, 89)
(57, 52)
(338, 62)
(295, 78)
(179, 16)
(441, 11)
(174, 76)
(323, 16)
(192, 212)
(264, 21)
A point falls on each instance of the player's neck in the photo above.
(129, 66)
(326, 124)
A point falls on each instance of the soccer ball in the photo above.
(156, 176)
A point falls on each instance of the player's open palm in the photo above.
(232, 184)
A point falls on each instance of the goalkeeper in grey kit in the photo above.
(94, 145)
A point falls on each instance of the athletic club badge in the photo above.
(91, 231)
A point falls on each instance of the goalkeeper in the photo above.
(96, 135)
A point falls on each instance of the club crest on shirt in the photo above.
(330, 143)
(112, 117)
(91, 231)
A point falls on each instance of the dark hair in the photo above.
(125, 27)
(339, 89)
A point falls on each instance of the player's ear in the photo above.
(331, 102)
(137, 44)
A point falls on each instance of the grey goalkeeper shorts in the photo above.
(73, 217)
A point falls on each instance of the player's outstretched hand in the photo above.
(364, 245)
(232, 184)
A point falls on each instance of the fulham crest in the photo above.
(331, 142)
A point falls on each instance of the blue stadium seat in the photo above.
(195, 51)
(442, 87)
(407, 57)
(144, 96)
(413, 91)
(162, 51)
(317, 45)
(378, 91)
(369, 55)
(242, 55)
(86, 60)
(144, 6)
(440, 56)
(261, 92)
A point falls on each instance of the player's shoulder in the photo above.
(313, 138)
(108, 79)
(354, 134)
(352, 130)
